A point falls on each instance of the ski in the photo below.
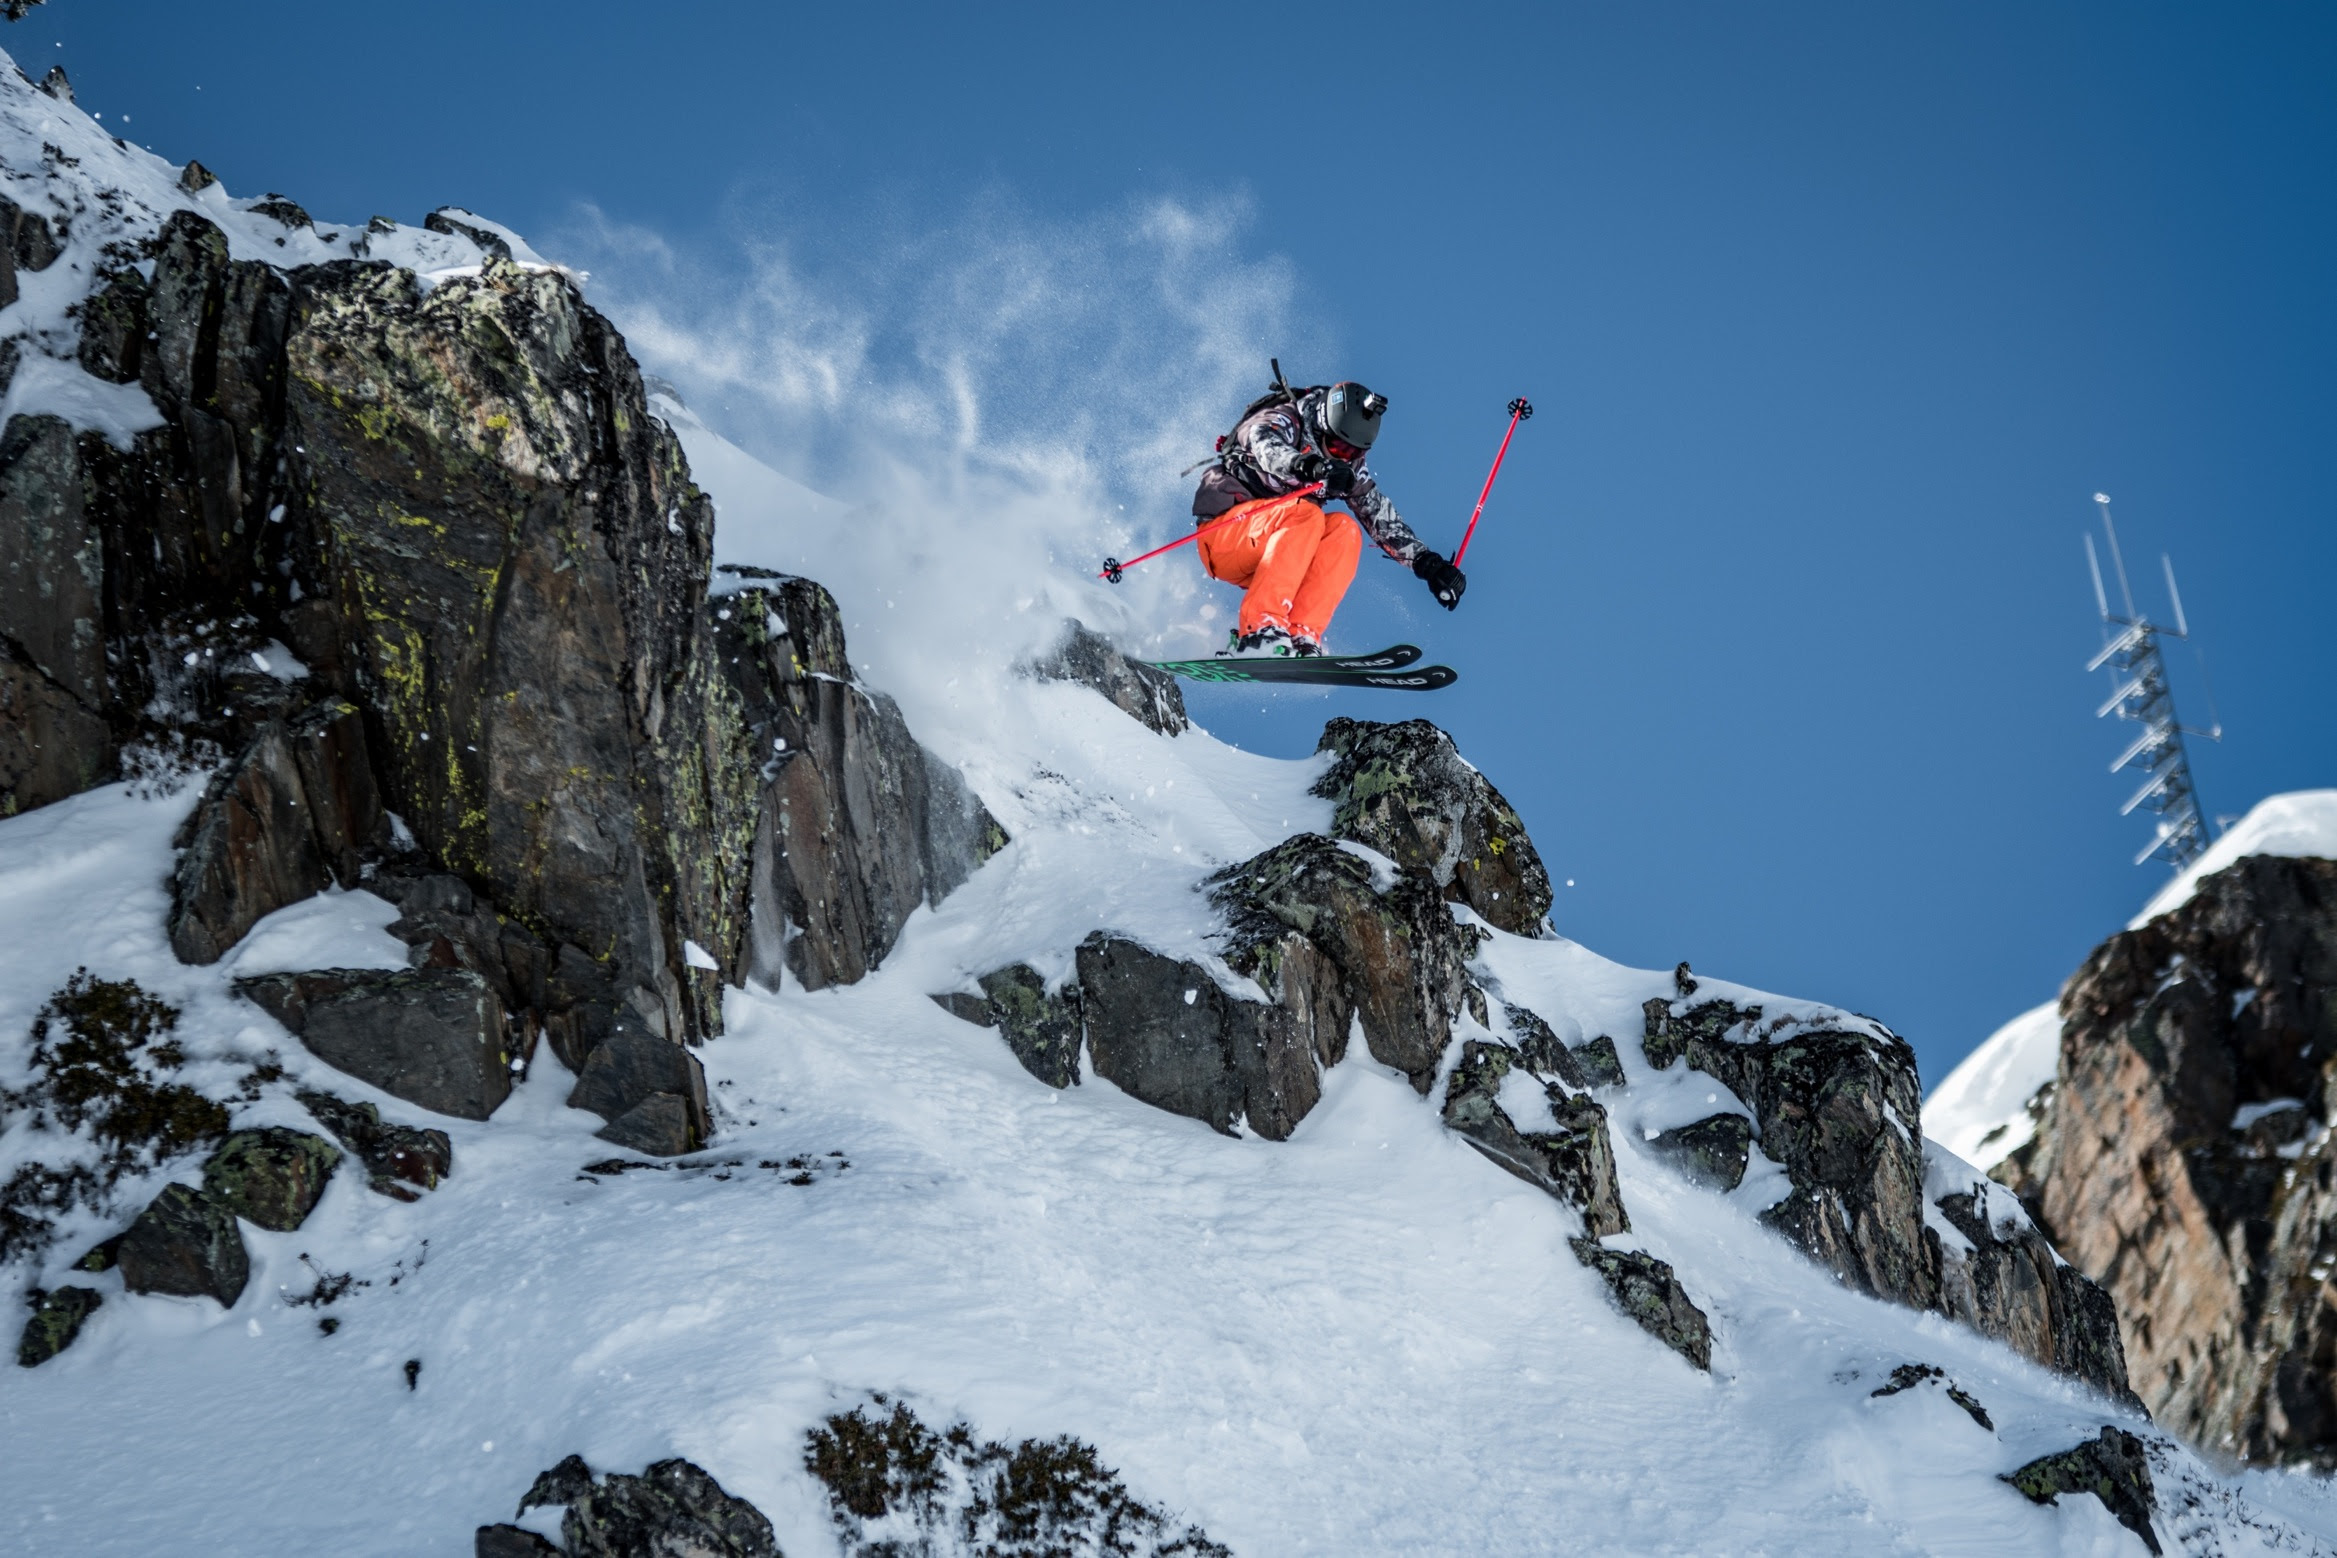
(1392, 668)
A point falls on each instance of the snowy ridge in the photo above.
(1367, 1339)
(2302, 822)
(1980, 1110)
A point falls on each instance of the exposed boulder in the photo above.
(271, 1177)
(1540, 1051)
(2113, 1468)
(854, 824)
(1401, 962)
(509, 562)
(395, 1156)
(1649, 1292)
(1404, 790)
(55, 739)
(1163, 1031)
(2000, 1277)
(1908, 1376)
(1601, 1065)
(55, 1321)
(1042, 1029)
(1839, 1111)
(2184, 1159)
(652, 1093)
(1144, 693)
(293, 815)
(1711, 1152)
(507, 1541)
(672, 1510)
(433, 1037)
(1574, 1161)
(185, 1243)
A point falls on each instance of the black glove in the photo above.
(1310, 466)
(1337, 477)
(1444, 581)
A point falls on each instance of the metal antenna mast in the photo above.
(2139, 692)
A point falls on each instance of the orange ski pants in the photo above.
(1295, 560)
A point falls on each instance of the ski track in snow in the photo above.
(1365, 1340)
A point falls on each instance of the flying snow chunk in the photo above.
(698, 957)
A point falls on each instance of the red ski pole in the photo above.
(1519, 410)
(1113, 567)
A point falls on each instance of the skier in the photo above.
(1294, 560)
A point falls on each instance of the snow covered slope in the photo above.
(1365, 1339)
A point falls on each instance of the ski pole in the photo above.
(1519, 410)
(1114, 568)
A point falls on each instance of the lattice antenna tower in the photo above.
(2139, 692)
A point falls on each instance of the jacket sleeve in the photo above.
(1380, 519)
(1272, 442)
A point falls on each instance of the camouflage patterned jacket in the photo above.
(1259, 461)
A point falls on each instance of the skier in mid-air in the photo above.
(1294, 560)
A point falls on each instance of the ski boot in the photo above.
(1268, 640)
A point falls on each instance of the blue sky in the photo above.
(1834, 316)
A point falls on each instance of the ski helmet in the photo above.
(1351, 413)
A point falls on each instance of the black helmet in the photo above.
(1351, 413)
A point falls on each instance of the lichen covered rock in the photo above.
(1711, 1152)
(1574, 1161)
(55, 1321)
(185, 1243)
(395, 1156)
(505, 561)
(1400, 960)
(854, 824)
(2113, 1468)
(672, 1510)
(1839, 1110)
(1404, 790)
(271, 1177)
(1647, 1290)
(1043, 1029)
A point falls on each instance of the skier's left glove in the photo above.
(1444, 581)
(1338, 477)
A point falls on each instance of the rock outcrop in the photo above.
(1329, 933)
(1836, 1104)
(519, 702)
(400, 1159)
(1040, 1026)
(2112, 1468)
(185, 1243)
(1405, 791)
(854, 824)
(671, 1510)
(2184, 1157)
(55, 1322)
(297, 812)
(1839, 1110)
(1146, 695)
(433, 1037)
(1573, 1159)
(271, 1177)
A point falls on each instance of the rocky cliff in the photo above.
(404, 552)
(2183, 1155)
